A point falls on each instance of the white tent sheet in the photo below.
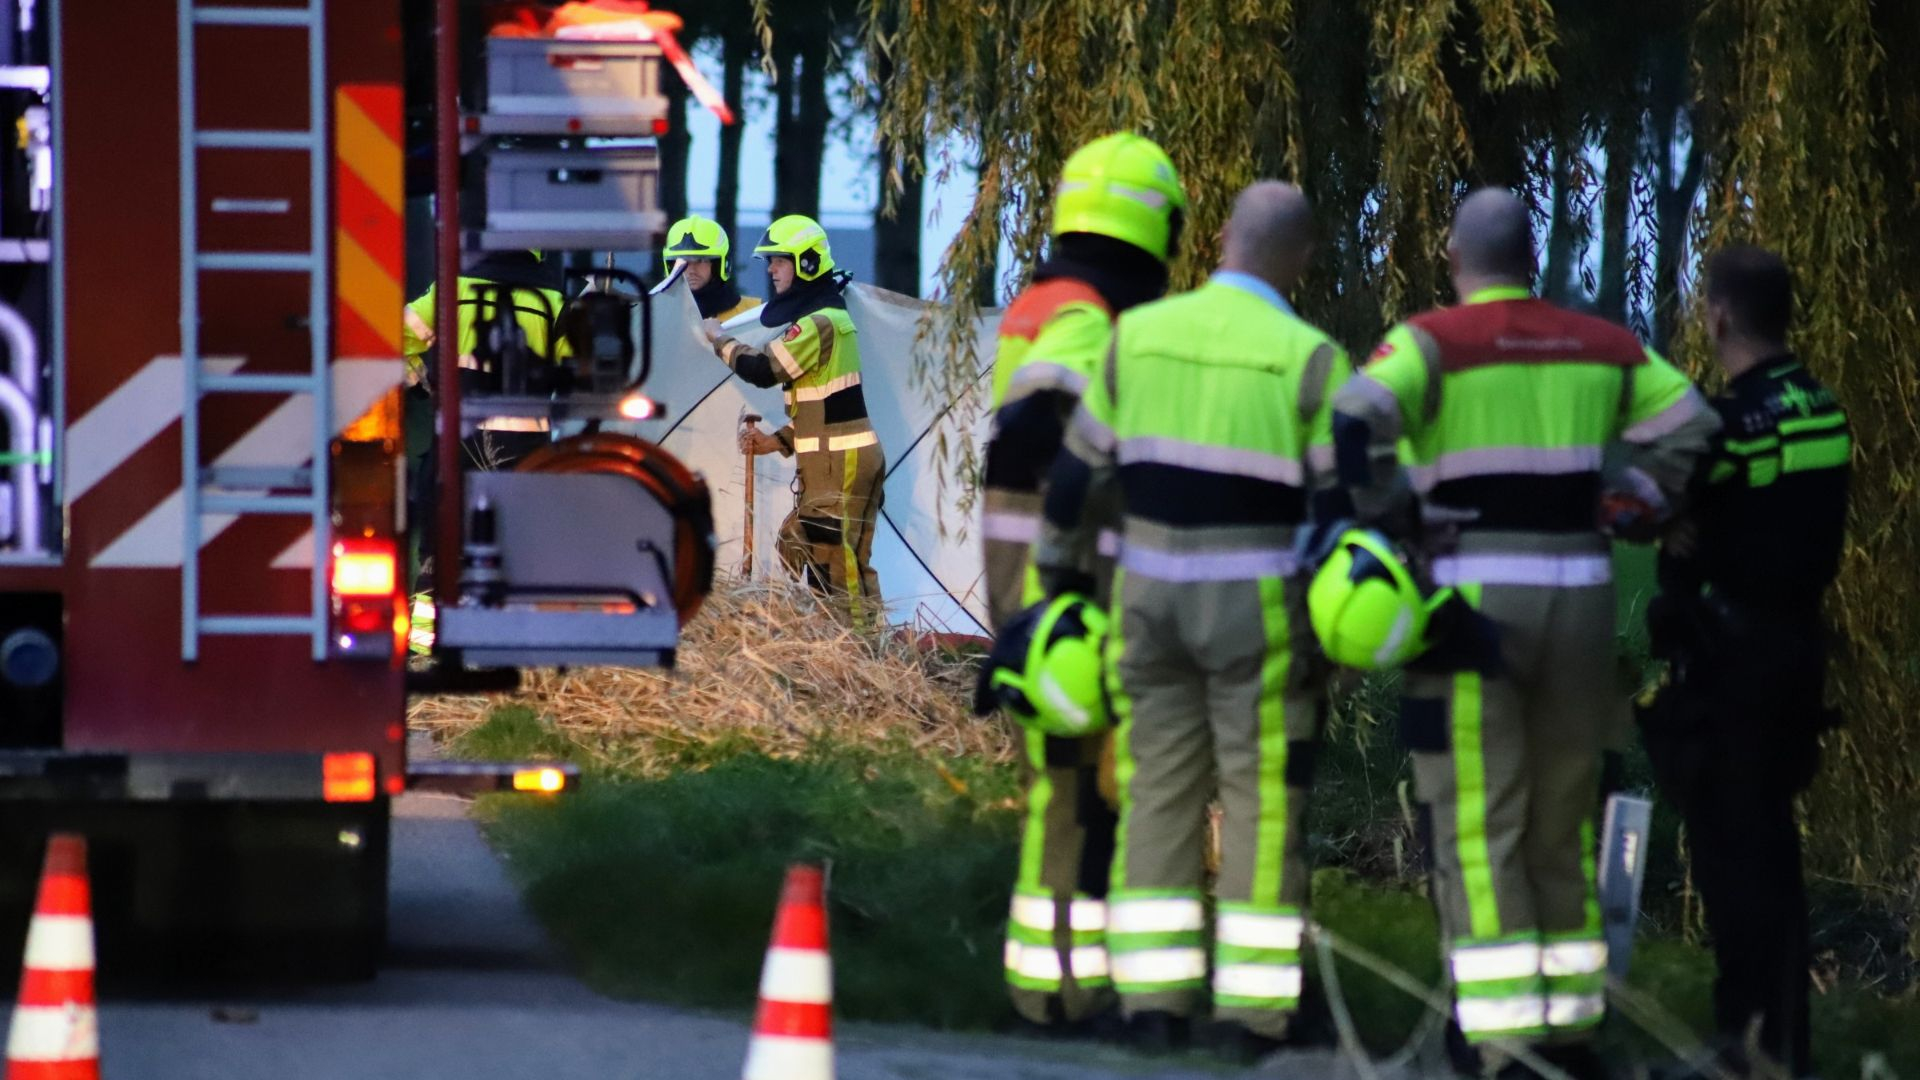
(930, 576)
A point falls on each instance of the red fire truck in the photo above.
(203, 534)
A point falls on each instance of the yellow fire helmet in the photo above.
(1365, 606)
(1123, 186)
(697, 238)
(800, 238)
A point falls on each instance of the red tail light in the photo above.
(365, 567)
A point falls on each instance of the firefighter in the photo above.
(1208, 425)
(1508, 405)
(828, 539)
(529, 289)
(701, 245)
(1116, 222)
(1735, 733)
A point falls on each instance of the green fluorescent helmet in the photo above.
(1123, 186)
(800, 238)
(1365, 606)
(697, 238)
(1047, 668)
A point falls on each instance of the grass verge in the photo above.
(663, 886)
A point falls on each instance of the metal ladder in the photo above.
(242, 491)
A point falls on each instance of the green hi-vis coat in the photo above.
(828, 539)
(1508, 406)
(1208, 427)
(1052, 339)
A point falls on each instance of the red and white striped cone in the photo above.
(793, 1031)
(56, 1033)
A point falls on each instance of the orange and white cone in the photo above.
(55, 1033)
(793, 1031)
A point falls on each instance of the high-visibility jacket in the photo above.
(746, 304)
(817, 360)
(1053, 337)
(533, 309)
(1506, 406)
(1212, 418)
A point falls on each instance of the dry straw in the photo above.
(763, 664)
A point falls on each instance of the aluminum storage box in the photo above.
(547, 86)
(605, 199)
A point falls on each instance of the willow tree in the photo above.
(1643, 131)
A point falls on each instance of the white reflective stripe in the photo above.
(1159, 966)
(54, 1033)
(1573, 958)
(1374, 392)
(283, 439)
(1086, 915)
(827, 390)
(1228, 460)
(1033, 961)
(1320, 459)
(1191, 566)
(60, 943)
(1545, 571)
(778, 350)
(129, 418)
(1280, 982)
(1501, 1014)
(837, 442)
(788, 1057)
(1565, 1010)
(1010, 525)
(1255, 931)
(1667, 420)
(1092, 431)
(1038, 375)
(1109, 543)
(1032, 912)
(1485, 963)
(1090, 962)
(1493, 460)
(1160, 915)
(804, 976)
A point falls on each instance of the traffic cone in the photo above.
(55, 1033)
(793, 1031)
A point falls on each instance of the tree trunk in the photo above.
(898, 217)
(1671, 95)
(1558, 273)
(674, 147)
(1622, 138)
(735, 53)
(786, 65)
(802, 140)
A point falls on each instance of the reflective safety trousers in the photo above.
(1507, 768)
(1208, 697)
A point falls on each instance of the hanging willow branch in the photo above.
(1386, 110)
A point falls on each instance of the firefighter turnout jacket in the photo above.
(1208, 425)
(1508, 405)
(828, 539)
(1053, 337)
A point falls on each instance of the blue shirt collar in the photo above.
(1248, 283)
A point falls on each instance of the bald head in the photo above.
(1270, 234)
(1492, 241)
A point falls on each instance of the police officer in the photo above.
(701, 246)
(1734, 735)
(1209, 424)
(828, 539)
(1116, 222)
(1508, 405)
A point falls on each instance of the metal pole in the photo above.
(446, 209)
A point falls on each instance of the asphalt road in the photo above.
(474, 991)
